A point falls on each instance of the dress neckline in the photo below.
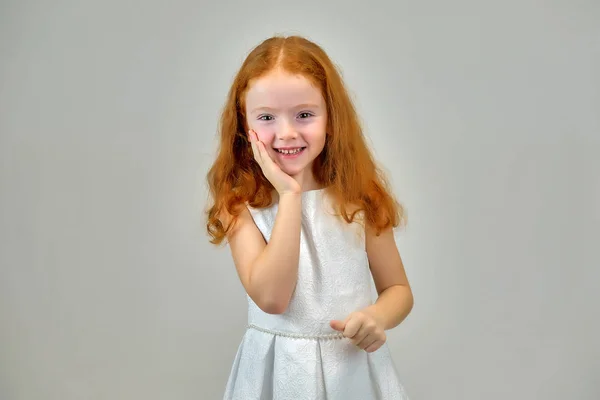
(306, 192)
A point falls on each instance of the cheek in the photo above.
(264, 135)
(317, 135)
(261, 130)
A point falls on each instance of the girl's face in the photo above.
(289, 116)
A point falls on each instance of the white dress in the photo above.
(297, 355)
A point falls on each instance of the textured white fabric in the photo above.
(296, 355)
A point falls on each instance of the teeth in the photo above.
(295, 151)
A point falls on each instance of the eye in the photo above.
(265, 118)
(305, 115)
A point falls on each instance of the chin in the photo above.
(293, 171)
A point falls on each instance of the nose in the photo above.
(286, 131)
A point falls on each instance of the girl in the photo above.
(309, 219)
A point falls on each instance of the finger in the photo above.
(367, 341)
(361, 336)
(254, 142)
(375, 346)
(261, 149)
(268, 162)
(337, 325)
(255, 150)
(352, 327)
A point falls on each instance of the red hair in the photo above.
(345, 166)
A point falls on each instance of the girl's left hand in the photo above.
(363, 330)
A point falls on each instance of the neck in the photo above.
(307, 180)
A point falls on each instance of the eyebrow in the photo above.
(264, 108)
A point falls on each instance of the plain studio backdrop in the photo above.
(484, 114)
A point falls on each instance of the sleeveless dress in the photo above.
(297, 355)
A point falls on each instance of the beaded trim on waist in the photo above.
(297, 335)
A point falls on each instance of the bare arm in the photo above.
(395, 299)
(269, 272)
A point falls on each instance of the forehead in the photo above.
(282, 89)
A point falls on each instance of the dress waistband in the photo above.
(337, 335)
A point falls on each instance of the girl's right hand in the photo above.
(282, 182)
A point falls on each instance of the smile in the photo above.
(290, 151)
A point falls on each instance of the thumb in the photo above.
(337, 325)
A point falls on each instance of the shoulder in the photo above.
(235, 220)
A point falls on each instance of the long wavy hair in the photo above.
(345, 166)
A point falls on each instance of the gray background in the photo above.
(485, 114)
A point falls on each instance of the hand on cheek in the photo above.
(282, 182)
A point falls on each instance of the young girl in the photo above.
(308, 217)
